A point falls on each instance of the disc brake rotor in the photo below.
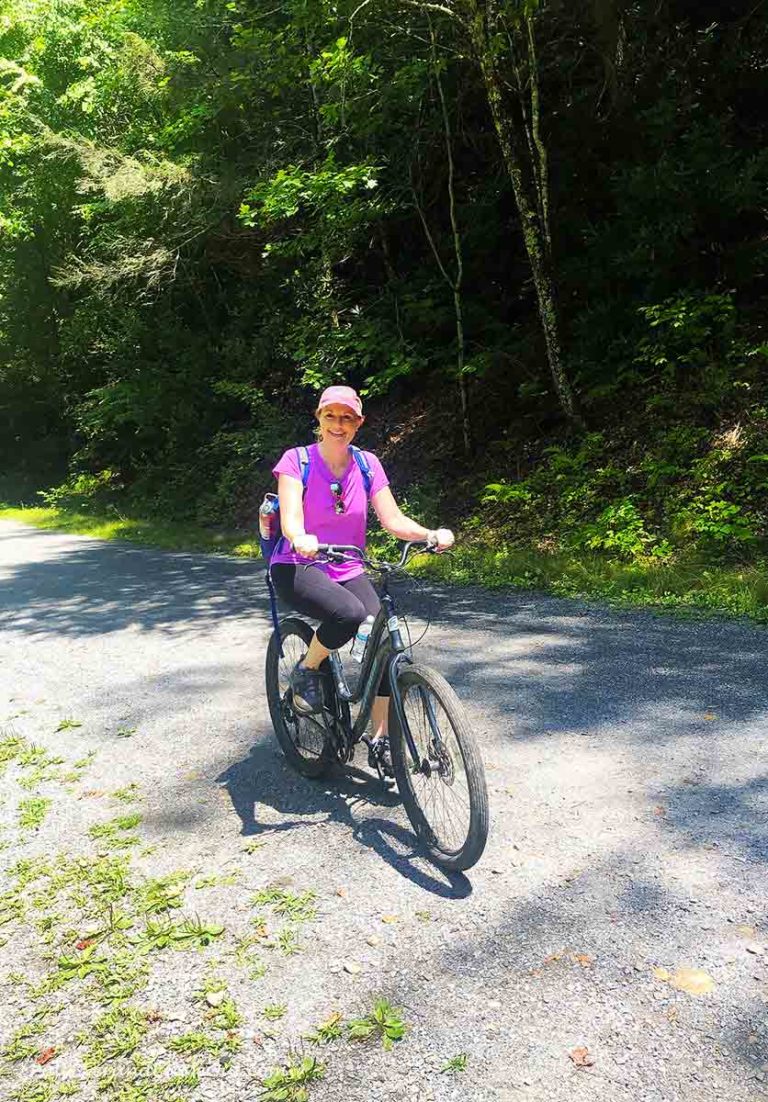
(442, 762)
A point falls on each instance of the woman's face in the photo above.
(338, 424)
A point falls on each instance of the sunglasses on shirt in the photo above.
(338, 497)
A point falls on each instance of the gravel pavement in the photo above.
(627, 764)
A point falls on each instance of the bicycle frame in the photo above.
(384, 651)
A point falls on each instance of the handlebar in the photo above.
(338, 552)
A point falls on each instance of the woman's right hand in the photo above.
(306, 546)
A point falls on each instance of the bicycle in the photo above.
(435, 757)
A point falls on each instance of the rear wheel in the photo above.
(303, 739)
(445, 795)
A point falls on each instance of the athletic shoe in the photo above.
(307, 690)
(380, 757)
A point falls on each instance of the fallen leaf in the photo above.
(153, 1016)
(746, 931)
(342, 892)
(553, 957)
(582, 1057)
(709, 716)
(693, 980)
(352, 967)
(46, 1055)
(215, 998)
(662, 974)
(584, 959)
(84, 943)
(91, 794)
(389, 919)
(373, 940)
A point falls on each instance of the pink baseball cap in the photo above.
(341, 396)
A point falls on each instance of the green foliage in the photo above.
(456, 1063)
(115, 834)
(298, 908)
(83, 491)
(117, 1033)
(47, 1089)
(289, 1083)
(330, 1029)
(32, 812)
(205, 218)
(384, 1021)
(620, 530)
(194, 1043)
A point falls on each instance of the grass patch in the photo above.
(128, 795)
(117, 1033)
(691, 587)
(115, 833)
(195, 1043)
(456, 1064)
(289, 1083)
(697, 588)
(170, 535)
(47, 1089)
(32, 812)
(330, 1029)
(297, 908)
(383, 1021)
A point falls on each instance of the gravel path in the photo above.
(627, 767)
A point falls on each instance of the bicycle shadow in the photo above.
(262, 783)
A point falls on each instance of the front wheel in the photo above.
(303, 739)
(445, 794)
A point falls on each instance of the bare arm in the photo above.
(290, 493)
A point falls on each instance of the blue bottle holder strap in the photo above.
(273, 610)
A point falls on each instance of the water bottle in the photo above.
(361, 639)
(269, 524)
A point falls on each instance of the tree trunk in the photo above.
(608, 17)
(532, 205)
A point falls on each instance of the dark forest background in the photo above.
(532, 234)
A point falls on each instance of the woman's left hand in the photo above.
(445, 539)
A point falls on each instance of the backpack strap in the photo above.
(304, 462)
(365, 468)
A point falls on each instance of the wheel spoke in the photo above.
(306, 734)
(443, 795)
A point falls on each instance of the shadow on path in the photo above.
(261, 780)
(93, 588)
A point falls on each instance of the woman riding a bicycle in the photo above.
(329, 505)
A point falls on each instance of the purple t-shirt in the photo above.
(320, 519)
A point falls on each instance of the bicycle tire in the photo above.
(290, 728)
(464, 850)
